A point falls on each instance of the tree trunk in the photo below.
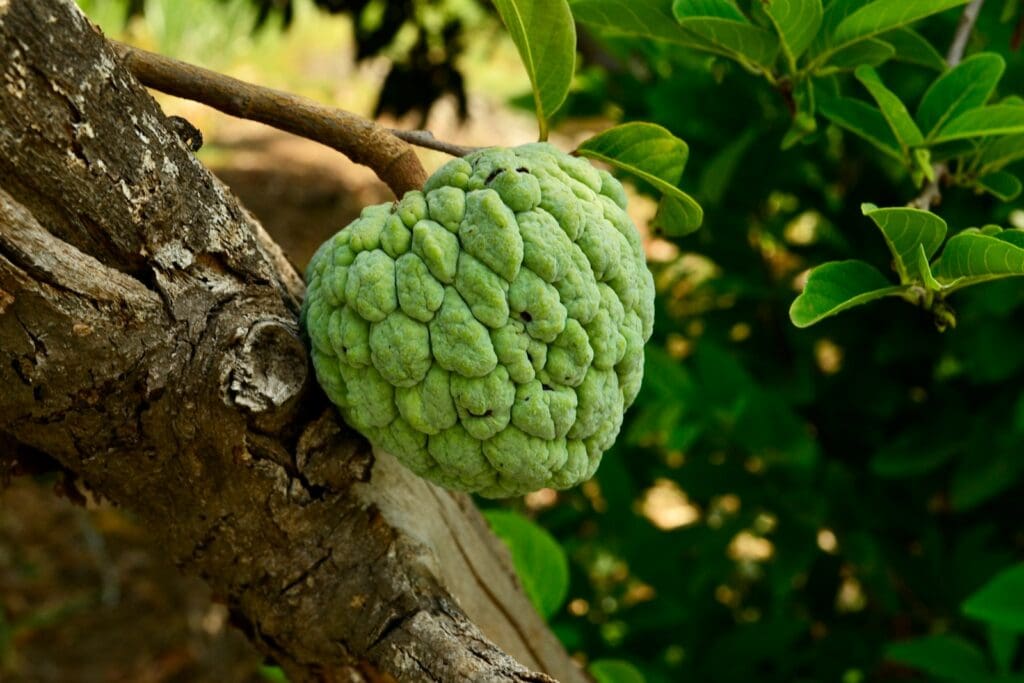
(149, 343)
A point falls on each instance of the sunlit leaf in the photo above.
(862, 119)
(677, 217)
(998, 119)
(906, 229)
(797, 22)
(885, 15)
(892, 108)
(539, 560)
(641, 18)
(722, 9)
(654, 155)
(971, 257)
(965, 87)
(834, 287)
(545, 35)
(737, 37)
(924, 269)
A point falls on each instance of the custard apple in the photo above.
(488, 331)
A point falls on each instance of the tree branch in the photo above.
(932, 192)
(149, 343)
(426, 139)
(964, 28)
(361, 140)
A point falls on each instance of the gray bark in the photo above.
(149, 344)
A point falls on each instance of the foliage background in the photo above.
(782, 505)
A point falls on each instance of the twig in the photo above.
(426, 140)
(361, 140)
(932, 193)
(963, 32)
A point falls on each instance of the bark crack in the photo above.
(307, 573)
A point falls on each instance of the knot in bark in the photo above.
(269, 370)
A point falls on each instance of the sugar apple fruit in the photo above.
(488, 331)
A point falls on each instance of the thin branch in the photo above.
(932, 192)
(426, 140)
(361, 140)
(963, 32)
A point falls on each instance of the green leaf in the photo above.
(862, 119)
(912, 456)
(835, 12)
(885, 15)
(545, 35)
(738, 39)
(836, 286)
(1001, 184)
(1000, 602)
(943, 656)
(1013, 235)
(913, 48)
(272, 674)
(654, 155)
(871, 52)
(1010, 9)
(904, 229)
(965, 87)
(718, 172)
(971, 257)
(922, 159)
(1002, 643)
(797, 22)
(642, 18)
(982, 475)
(998, 119)
(893, 109)
(677, 217)
(925, 269)
(615, 671)
(723, 9)
(539, 560)
(1003, 151)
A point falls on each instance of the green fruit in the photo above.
(488, 331)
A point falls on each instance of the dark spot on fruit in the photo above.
(522, 169)
(494, 174)
(525, 315)
(546, 387)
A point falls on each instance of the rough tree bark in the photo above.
(149, 344)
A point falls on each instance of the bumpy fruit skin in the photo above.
(488, 331)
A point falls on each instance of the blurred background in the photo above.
(782, 505)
